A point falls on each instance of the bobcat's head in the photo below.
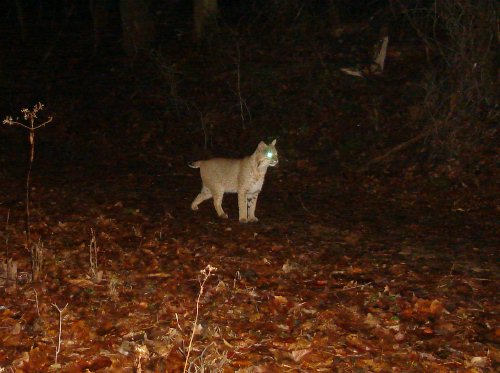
(267, 155)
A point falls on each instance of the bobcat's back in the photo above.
(220, 173)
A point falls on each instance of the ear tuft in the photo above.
(262, 145)
(274, 142)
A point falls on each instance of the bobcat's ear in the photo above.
(262, 145)
(274, 142)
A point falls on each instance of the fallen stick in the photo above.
(393, 150)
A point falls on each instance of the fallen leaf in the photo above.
(436, 307)
(280, 299)
(100, 362)
(399, 337)
(288, 266)
(478, 361)
(227, 344)
(428, 330)
(16, 329)
(81, 282)
(371, 321)
(355, 341)
(298, 355)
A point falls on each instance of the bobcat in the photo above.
(243, 176)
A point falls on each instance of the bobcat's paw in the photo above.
(223, 216)
(253, 220)
(243, 220)
(194, 208)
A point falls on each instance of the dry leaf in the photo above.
(16, 329)
(371, 321)
(298, 355)
(478, 361)
(436, 307)
(280, 299)
(81, 282)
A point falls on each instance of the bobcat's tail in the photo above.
(194, 164)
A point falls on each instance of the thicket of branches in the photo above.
(461, 86)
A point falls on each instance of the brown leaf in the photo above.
(16, 329)
(106, 328)
(371, 321)
(428, 330)
(478, 361)
(12, 340)
(81, 282)
(399, 337)
(298, 355)
(436, 307)
(255, 317)
(280, 299)
(99, 362)
(80, 330)
(355, 341)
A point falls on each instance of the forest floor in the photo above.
(342, 275)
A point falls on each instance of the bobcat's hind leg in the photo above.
(218, 204)
(203, 196)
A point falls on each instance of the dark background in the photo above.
(176, 94)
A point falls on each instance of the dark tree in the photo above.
(137, 24)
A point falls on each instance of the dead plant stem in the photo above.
(239, 85)
(36, 303)
(354, 287)
(30, 116)
(28, 179)
(7, 235)
(206, 274)
(58, 348)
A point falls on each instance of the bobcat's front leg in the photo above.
(242, 206)
(252, 204)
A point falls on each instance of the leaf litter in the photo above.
(356, 294)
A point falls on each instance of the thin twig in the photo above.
(238, 85)
(178, 325)
(304, 206)
(58, 348)
(206, 133)
(355, 287)
(395, 149)
(36, 303)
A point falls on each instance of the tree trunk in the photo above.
(333, 13)
(20, 19)
(203, 12)
(100, 21)
(138, 27)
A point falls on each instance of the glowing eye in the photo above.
(269, 154)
